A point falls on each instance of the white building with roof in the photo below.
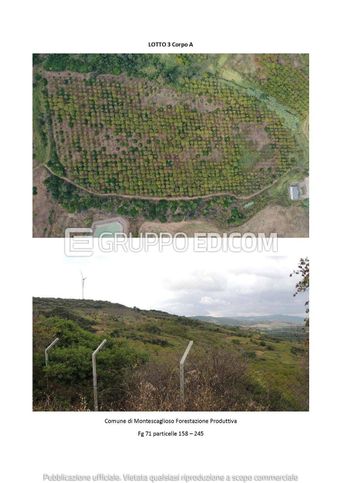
(294, 192)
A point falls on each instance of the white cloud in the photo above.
(184, 283)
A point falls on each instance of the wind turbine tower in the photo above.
(83, 280)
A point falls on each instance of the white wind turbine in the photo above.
(83, 280)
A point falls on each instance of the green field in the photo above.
(229, 368)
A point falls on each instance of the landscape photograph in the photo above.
(170, 143)
(223, 333)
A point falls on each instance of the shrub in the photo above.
(214, 381)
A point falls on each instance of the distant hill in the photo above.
(89, 314)
(271, 321)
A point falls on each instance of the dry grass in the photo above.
(215, 381)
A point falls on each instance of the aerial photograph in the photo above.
(170, 143)
(221, 335)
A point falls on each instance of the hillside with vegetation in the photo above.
(228, 369)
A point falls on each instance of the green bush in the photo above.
(69, 373)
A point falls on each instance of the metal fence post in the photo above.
(181, 370)
(93, 358)
(47, 350)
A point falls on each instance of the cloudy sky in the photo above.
(217, 284)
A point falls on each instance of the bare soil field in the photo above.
(187, 227)
(287, 222)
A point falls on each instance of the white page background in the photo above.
(307, 444)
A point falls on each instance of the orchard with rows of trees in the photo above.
(128, 136)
